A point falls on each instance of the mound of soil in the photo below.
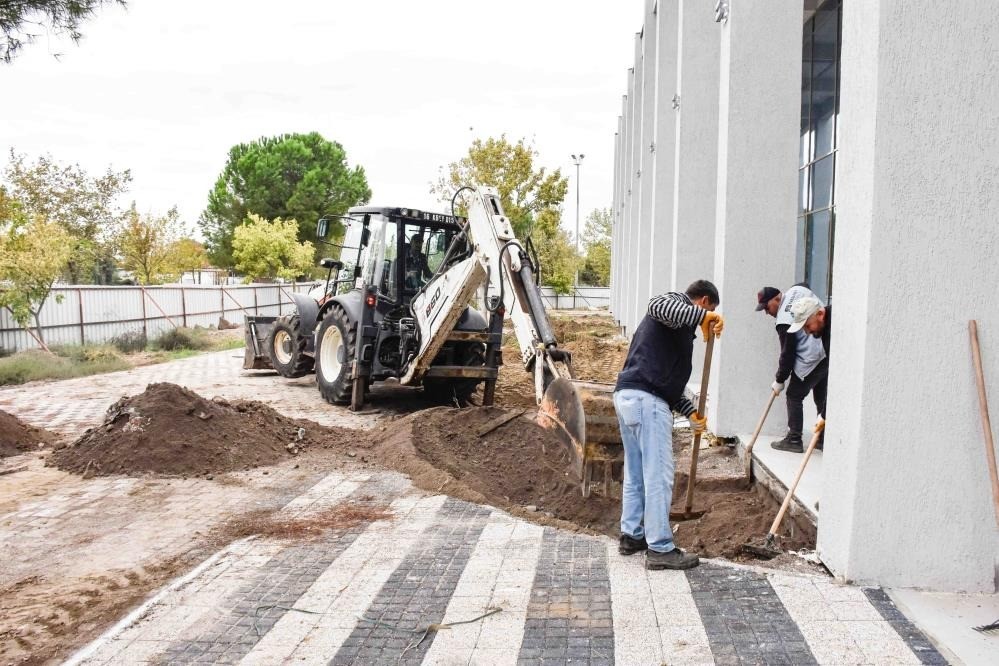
(18, 437)
(524, 469)
(172, 431)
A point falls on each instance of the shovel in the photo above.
(768, 548)
(756, 435)
(688, 512)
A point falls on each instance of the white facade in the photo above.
(708, 187)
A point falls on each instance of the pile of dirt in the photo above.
(18, 437)
(172, 431)
(524, 469)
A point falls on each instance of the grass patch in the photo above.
(63, 363)
(68, 361)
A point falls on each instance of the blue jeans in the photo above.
(647, 433)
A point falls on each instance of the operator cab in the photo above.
(398, 251)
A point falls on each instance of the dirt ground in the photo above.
(169, 477)
(598, 354)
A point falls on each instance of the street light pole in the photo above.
(577, 161)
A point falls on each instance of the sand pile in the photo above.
(522, 468)
(18, 437)
(172, 431)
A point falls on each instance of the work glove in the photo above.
(778, 387)
(698, 423)
(820, 425)
(712, 322)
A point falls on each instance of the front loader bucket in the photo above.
(582, 415)
(255, 332)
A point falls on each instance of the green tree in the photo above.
(524, 190)
(152, 246)
(292, 176)
(21, 21)
(82, 205)
(33, 253)
(556, 253)
(263, 249)
(596, 262)
(188, 254)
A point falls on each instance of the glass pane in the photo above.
(822, 182)
(803, 190)
(825, 54)
(805, 150)
(819, 253)
(799, 254)
(387, 286)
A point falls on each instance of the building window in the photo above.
(817, 155)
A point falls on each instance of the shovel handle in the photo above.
(759, 424)
(983, 408)
(794, 484)
(702, 401)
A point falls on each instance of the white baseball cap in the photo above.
(801, 310)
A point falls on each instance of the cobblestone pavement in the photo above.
(439, 581)
(495, 590)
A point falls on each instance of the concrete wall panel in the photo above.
(909, 502)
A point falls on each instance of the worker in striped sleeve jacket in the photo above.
(649, 389)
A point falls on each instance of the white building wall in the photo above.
(646, 169)
(906, 500)
(637, 280)
(633, 192)
(661, 148)
(756, 208)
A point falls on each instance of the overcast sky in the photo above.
(165, 88)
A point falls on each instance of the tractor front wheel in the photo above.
(336, 346)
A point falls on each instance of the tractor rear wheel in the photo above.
(336, 345)
(286, 348)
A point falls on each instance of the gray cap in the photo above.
(801, 310)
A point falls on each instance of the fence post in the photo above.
(183, 305)
(145, 319)
(222, 302)
(83, 332)
(256, 307)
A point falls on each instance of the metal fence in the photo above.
(581, 298)
(98, 314)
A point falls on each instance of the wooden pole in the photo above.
(701, 405)
(983, 408)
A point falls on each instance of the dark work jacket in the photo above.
(659, 363)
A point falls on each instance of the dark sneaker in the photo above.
(674, 559)
(790, 443)
(629, 546)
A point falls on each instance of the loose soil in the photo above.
(18, 437)
(524, 469)
(274, 525)
(170, 430)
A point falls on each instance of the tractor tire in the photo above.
(336, 345)
(457, 391)
(286, 348)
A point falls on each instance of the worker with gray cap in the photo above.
(803, 360)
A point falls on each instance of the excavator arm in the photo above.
(581, 414)
(501, 273)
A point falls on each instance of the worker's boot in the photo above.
(791, 442)
(674, 559)
(629, 546)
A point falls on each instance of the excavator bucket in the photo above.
(582, 415)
